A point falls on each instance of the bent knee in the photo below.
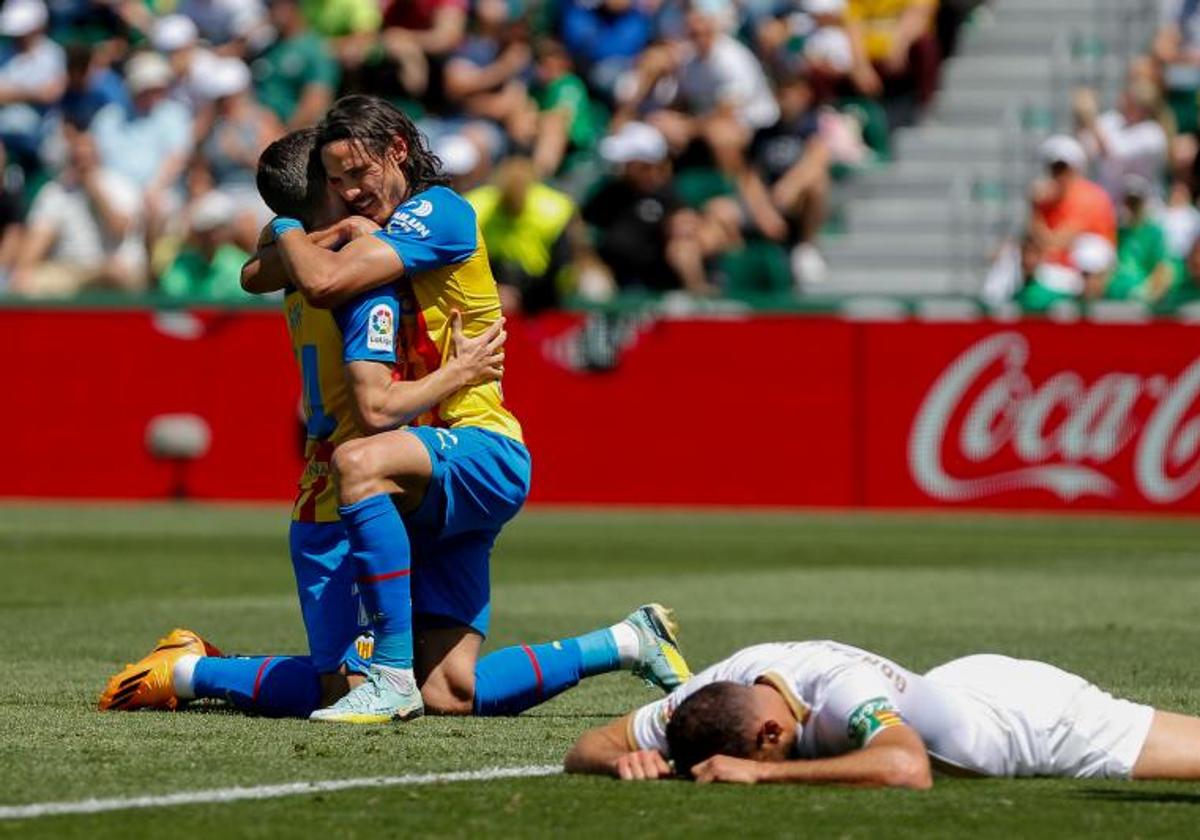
(448, 696)
(352, 461)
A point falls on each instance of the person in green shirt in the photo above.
(532, 233)
(570, 119)
(1143, 272)
(296, 77)
(209, 267)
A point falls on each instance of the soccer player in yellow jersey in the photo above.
(423, 504)
(451, 533)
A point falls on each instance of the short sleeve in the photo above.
(368, 324)
(857, 706)
(434, 228)
(322, 68)
(649, 728)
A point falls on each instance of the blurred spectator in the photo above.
(148, 146)
(241, 129)
(1180, 220)
(418, 36)
(12, 219)
(209, 266)
(461, 160)
(1065, 203)
(85, 229)
(350, 26)
(33, 76)
(436, 27)
(488, 76)
(532, 236)
(834, 53)
(794, 160)
(177, 38)
(1094, 258)
(91, 85)
(897, 38)
(1129, 140)
(644, 234)
(1143, 271)
(1177, 47)
(606, 37)
(1185, 288)
(224, 23)
(296, 77)
(570, 120)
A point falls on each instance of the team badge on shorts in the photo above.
(869, 718)
(381, 329)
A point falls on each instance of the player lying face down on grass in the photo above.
(822, 712)
(422, 505)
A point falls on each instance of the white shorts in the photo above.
(1038, 720)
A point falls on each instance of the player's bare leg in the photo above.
(1172, 749)
(445, 665)
(391, 463)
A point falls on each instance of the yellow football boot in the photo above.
(147, 684)
(659, 661)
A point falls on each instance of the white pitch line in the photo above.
(240, 794)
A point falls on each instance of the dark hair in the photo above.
(713, 721)
(289, 176)
(375, 124)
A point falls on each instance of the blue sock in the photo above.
(275, 686)
(514, 679)
(379, 545)
(599, 652)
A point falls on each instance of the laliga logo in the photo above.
(1100, 421)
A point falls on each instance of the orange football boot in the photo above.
(148, 684)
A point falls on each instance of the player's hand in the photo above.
(722, 768)
(481, 357)
(355, 227)
(642, 765)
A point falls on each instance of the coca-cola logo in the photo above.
(1062, 435)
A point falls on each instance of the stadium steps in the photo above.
(908, 228)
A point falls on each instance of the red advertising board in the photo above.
(764, 410)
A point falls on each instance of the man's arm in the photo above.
(607, 751)
(265, 272)
(328, 278)
(381, 403)
(896, 757)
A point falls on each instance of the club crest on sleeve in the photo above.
(381, 328)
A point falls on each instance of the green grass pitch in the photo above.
(85, 589)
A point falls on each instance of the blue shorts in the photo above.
(480, 481)
(329, 600)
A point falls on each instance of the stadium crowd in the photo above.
(1113, 214)
(606, 144)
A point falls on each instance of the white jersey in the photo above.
(987, 715)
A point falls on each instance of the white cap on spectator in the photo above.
(824, 7)
(457, 154)
(146, 71)
(222, 76)
(1062, 148)
(635, 141)
(212, 210)
(21, 17)
(1134, 185)
(831, 44)
(173, 32)
(1092, 253)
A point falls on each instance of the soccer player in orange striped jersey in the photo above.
(458, 477)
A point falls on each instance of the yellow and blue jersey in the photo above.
(436, 236)
(323, 342)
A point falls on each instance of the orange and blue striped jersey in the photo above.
(323, 342)
(436, 236)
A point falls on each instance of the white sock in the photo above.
(402, 679)
(628, 643)
(181, 676)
